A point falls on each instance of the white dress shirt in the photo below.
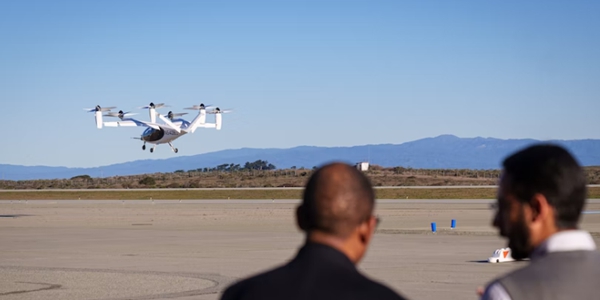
(568, 240)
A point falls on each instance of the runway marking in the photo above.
(49, 286)
(219, 282)
(591, 212)
(10, 216)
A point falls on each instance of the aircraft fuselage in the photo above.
(160, 136)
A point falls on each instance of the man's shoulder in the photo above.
(528, 270)
(556, 260)
(567, 262)
(255, 282)
(495, 291)
(382, 291)
(496, 288)
(550, 268)
(280, 282)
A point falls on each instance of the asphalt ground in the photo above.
(193, 249)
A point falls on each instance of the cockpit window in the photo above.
(148, 132)
(153, 135)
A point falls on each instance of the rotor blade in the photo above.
(158, 105)
(101, 109)
(104, 108)
(114, 114)
(197, 107)
(222, 111)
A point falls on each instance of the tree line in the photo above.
(257, 165)
(262, 173)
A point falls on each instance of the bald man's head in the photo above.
(337, 198)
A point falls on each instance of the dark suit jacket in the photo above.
(317, 272)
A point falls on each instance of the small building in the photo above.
(362, 166)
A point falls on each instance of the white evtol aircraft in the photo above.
(156, 133)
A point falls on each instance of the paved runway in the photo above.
(259, 188)
(255, 201)
(246, 201)
(96, 249)
(243, 188)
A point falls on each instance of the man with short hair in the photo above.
(337, 216)
(540, 198)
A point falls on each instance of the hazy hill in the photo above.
(442, 152)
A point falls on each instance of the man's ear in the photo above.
(301, 218)
(540, 208)
(366, 229)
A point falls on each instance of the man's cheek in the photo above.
(505, 226)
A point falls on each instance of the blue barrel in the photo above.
(453, 225)
(433, 227)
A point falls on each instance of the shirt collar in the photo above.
(326, 253)
(567, 240)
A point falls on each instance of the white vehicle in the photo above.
(156, 133)
(501, 255)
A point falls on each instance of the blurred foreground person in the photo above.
(337, 216)
(541, 195)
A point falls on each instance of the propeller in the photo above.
(152, 105)
(172, 115)
(198, 107)
(99, 108)
(219, 111)
(120, 114)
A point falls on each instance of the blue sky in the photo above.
(325, 73)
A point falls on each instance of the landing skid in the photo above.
(152, 149)
(174, 149)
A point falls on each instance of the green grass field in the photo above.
(393, 193)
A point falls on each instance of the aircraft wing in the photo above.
(132, 123)
(181, 123)
(169, 123)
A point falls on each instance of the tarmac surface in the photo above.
(166, 249)
(261, 188)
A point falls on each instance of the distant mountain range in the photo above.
(445, 151)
